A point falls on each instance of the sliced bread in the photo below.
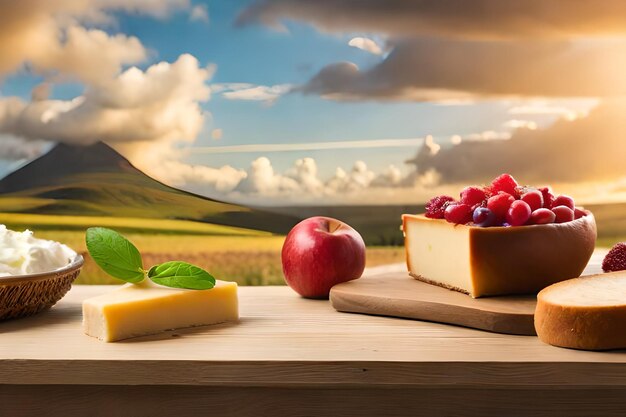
(584, 313)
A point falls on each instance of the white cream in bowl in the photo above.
(21, 253)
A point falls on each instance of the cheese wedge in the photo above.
(147, 308)
(584, 313)
(482, 261)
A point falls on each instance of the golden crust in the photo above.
(439, 284)
(580, 327)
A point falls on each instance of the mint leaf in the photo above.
(115, 254)
(178, 274)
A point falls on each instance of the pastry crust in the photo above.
(513, 260)
(439, 284)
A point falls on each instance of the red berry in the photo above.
(563, 214)
(505, 183)
(458, 213)
(518, 213)
(436, 206)
(534, 199)
(579, 212)
(548, 197)
(542, 216)
(499, 204)
(564, 200)
(473, 196)
(615, 260)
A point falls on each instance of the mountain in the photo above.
(96, 180)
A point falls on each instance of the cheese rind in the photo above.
(137, 310)
(584, 313)
(484, 261)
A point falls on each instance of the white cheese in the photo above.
(21, 253)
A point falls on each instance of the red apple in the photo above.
(320, 252)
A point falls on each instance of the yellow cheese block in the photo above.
(147, 308)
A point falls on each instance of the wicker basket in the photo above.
(25, 295)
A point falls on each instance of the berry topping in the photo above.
(564, 200)
(548, 197)
(436, 206)
(518, 213)
(500, 204)
(505, 203)
(458, 213)
(615, 260)
(473, 196)
(484, 217)
(563, 214)
(505, 183)
(534, 199)
(542, 216)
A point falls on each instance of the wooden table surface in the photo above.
(291, 356)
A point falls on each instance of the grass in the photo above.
(20, 221)
(247, 260)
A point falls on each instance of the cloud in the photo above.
(366, 44)
(486, 136)
(12, 148)
(199, 178)
(520, 124)
(436, 69)
(310, 146)
(160, 103)
(48, 36)
(199, 13)
(586, 149)
(455, 51)
(482, 19)
(262, 180)
(250, 92)
(542, 108)
(261, 183)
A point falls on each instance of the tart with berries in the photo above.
(499, 239)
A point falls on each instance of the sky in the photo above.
(273, 102)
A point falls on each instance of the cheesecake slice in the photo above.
(482, 261)
(147, 308)
(584, 313)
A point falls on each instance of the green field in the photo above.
(55, 222)
(248, 257)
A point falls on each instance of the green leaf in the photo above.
(179, 274)
(115, 254)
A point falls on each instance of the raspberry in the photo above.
(436, 206)
(548, 197)
(505, 183)
(458, 213)
(542, 216)
(518, 213)
(534, 199)
(473, 196)
(563, 214)
(484, 217)
(499, 204)
(579, 212)
(564, 200)
(615, 260)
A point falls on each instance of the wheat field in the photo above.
(247, 260)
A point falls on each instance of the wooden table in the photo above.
(290, 356)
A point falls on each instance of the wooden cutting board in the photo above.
(396, 294)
